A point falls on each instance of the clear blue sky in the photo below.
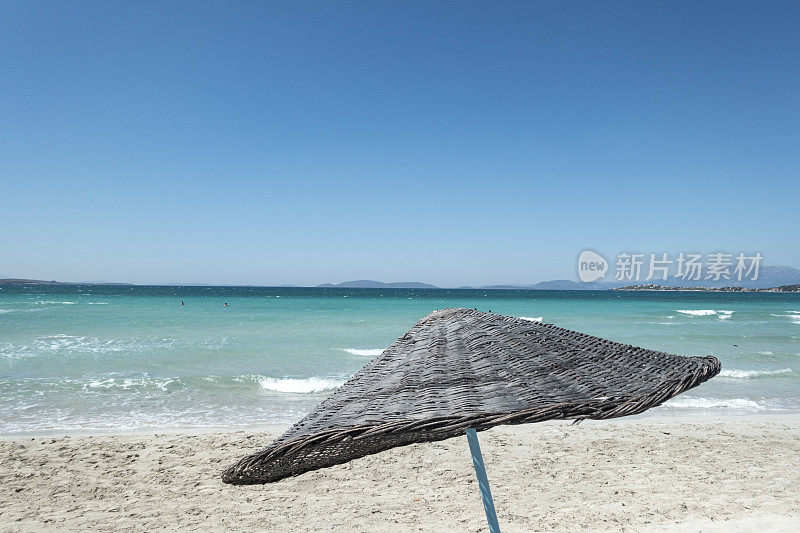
(453, 143)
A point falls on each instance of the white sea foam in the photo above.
(300, 386)
(128, 383)
(765, 352)
(537, 319)
(722, 314)
(793, 316)
(714, 403)
(746, 374)
(364, 352)
(69, 345)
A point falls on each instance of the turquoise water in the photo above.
(76, 358)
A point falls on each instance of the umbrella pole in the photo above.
(483, 481)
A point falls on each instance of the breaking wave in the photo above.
(62, 345)
(714, 403)
(129, 383)
(697, 312)
(793, 316)
(364, 352)
(300, 386)
(747, 374)
(705, 312)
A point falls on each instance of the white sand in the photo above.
(737, 474)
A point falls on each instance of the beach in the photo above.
(654, 473)
(120, 408)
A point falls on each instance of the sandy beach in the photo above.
(647, 474)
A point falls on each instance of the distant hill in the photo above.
(24, 281)
(768, 276)
(656, 287)
(372, 284)
(559, 285)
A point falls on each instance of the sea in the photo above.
(107, 358)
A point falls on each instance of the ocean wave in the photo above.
(537, 319)
(364, 352)
(714, 403)
(789, 314)
(747, 374)
(721, 314)
(70, 345)
(696, 312)
(793, 316)
(300, 386)
(129, 383)
(29, 310)
(146, 384)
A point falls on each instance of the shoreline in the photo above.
(653, 416)
(634, 474)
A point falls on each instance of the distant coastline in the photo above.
(653, 287)
(371, 284)
(23, 281)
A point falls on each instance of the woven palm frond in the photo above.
(461, 368)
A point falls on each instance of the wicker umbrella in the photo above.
(458, 369)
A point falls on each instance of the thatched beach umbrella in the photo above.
(458, 369)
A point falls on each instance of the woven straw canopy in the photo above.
(460, 368)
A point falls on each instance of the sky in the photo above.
(455, 143)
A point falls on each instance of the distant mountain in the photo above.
(559, 285)
(768, 276)
(372, 284)
(24, 281)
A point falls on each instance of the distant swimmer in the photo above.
(181, 303)
(226, 304)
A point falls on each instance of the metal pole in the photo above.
(483, 481)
